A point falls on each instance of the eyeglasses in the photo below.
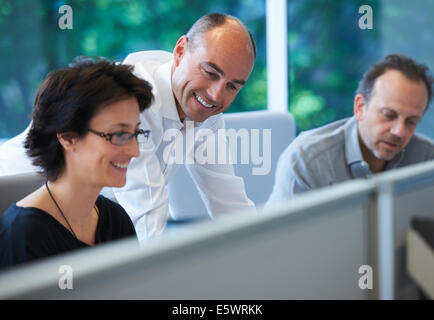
(121, 138)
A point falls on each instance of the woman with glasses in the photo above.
(84, 132)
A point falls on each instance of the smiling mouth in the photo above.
(202, 102)
(120, 165)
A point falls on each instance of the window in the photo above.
(32, 44)
(328, 52)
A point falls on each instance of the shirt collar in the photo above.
(352, 147)
(167, 106)
(353, 154)
(395, 161)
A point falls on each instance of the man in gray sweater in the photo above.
(389, 103)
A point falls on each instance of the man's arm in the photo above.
(145, 197)
(220, 189)
(290, 177)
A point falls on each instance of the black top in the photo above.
(29, 233)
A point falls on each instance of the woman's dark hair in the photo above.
(407, 66)
(69, 98)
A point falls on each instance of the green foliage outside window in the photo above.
(327, 51)
(32, 44)
(328, 54)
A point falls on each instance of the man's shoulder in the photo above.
(157, 56)
(322, 140)
(13, 158)
(14, 142)
(316, 157)
(421, 146)
(146, 64)
(420, 140)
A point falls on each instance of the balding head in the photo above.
(213, 21)
(210, 66)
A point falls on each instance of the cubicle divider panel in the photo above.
(310, 248)
(412, 189)
(256, 140)
(16, 187)
(415, 202)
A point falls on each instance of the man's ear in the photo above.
(359, 106)
(180, 49)
(68, 140)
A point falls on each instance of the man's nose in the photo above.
(399, 129)
(216, 91)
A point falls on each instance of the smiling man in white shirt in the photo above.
(192, 87)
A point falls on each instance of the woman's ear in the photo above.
(180, 50)
(68, 140)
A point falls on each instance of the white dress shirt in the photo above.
(145, 196)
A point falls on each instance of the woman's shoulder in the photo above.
(28, 226)
(26, 233)
(109, 206)
(22, 218)
(114, 220)
(113, 213)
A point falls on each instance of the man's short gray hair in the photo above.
(407, 66)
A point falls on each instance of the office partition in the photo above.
(309, 248)
(406, 193)
(15, 187)
(256, 134)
